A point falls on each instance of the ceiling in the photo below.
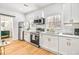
(23, 7)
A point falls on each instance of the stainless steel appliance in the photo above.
(40, 29)
(34, 38)
(40, 21)
(76, 31)
(21, 31)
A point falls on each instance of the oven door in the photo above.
(34, 38)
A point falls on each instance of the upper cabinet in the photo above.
(35, 14)
(38, 13)
(67, 13)
(53, 10)
(71, 13)
(63, 16)
(75, 12)
(32, 16)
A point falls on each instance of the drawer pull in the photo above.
(49, 39)
(67, 43)
(68, 39)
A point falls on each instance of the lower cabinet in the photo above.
(74, 46)
(64, 45)
(27, 36)
(44, 41)
(49, 42)
(68, 46)
(60, 44)
(53, 43)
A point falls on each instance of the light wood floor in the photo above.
(24, 48)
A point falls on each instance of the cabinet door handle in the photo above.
(49, 39)
(68, 39)
(67, 43)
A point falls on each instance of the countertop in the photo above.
(64, 35)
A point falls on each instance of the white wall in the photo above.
(18, 17)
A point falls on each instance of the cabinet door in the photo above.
(63, 45)
(74, 44)
(27, 36)
(67, 13)
(44, 41)
(53, 43)
(49, 42)
(75, 12)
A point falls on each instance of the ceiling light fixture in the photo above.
(25, 5)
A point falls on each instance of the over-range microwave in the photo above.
(40, 21)
(76, 31)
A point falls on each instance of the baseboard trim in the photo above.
(56, 53)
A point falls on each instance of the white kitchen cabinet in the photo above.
(68, 45)
(44, 41)
(27, 36)
(67, 13)
(70, 12)
(35, 14)
(74, 48)
(49, 42)
(64, 45)
(53, 43)
(53, 10)
(75, 12)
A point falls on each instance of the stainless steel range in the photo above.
(34, 38)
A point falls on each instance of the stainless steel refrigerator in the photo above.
(20, 30)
